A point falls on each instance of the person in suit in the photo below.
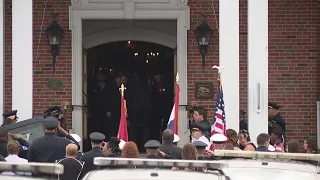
(168, 147)
(152, 149)
(263, 141)
(200, 115)
(10, 117)
(97, 140)
(50, 147)
(201, 149)
(72, 166)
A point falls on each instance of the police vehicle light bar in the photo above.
(267, 155)
(46, 168)
(157, 163)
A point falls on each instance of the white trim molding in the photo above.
(2, 43)
(257, 68)
(22, 58)
(128, 9)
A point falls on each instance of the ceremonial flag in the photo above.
(219, 121)
(174, 116)
(123, 129)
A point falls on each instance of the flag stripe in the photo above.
(174, 116)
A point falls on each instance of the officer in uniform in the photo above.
(24, 145)
(152, 149)
(50, 147)
(201, 149)
(275, 119)
(218, 141)
(97, 140)
(10, 117)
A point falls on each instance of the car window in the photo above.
(29, 129)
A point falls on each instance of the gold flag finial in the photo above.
(122, 89)
(177, 78)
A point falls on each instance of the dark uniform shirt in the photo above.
(171, 150)
(72, 168)
(88, 157)
(48, 148)
(24, 145)
(262, 149)
(208, 128)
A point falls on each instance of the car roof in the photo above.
(4, 177)
(243, 169)
(146, 174)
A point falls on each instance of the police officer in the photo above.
(201, 149)
(152, 149)
(50, 147)
(218, 141)
(4, 134)
(97, 141)
(10, 117)
(199, 130)
(275, 119)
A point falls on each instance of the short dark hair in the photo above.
(293, 147)
(262, 139)
(202, 111)
(167, 136)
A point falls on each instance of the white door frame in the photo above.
(129, 9)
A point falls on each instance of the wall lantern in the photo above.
(54, 34)
(203, 34)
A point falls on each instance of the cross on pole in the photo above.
(122, 89)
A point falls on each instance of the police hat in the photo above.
(218, 138)
(273, 106)
(200, 144)
(10, 113)
(152, 144)
(200, 126)
(97, 137)
(50, 123)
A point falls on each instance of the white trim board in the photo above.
(129, 9)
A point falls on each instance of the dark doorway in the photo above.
(148, 69)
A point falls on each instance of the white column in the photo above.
(257, 67)
(22, 83)
(2, 10)
(229, 58)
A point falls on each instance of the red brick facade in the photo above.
(294, 58)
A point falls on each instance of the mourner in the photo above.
(152, 149)
(72, 166)
(10, 117)
(4, 135)
(276, 121)
(97, 140)
(50, 147)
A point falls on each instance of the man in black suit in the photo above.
(263, 141)
(97, 140)
(168, 147)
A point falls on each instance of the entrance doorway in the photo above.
(148, 71)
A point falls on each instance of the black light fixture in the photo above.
(54, 34)
(203, 34)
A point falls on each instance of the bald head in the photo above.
(167, 136)
(71, 150)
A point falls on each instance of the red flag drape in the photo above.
(176, 109)
(123, 129)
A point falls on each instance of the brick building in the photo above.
(293, 60)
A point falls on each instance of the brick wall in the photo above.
(294, 52)
(43, 97)
(294, 44)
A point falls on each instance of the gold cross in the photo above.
(122, 89)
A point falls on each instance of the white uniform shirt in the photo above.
(204, 140)
(15, 159)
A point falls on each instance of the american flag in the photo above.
(219, 121)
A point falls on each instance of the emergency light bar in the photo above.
(267, 155)
(46, 168)
(158, 163)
